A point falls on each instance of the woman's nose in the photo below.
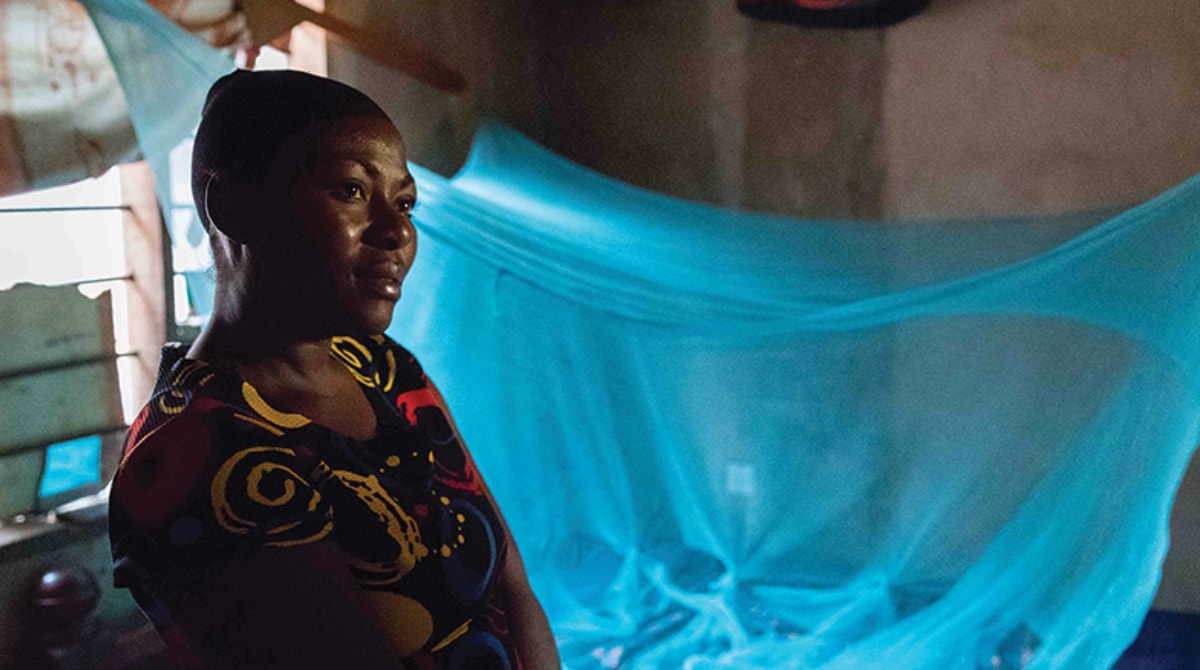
(391, 228)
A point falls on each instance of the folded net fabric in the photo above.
(728, 440)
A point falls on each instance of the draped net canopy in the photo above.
(729, 440)
(735, 440)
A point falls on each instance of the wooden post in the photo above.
(148, 310)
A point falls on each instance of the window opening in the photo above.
(67, 238)
(77, 236)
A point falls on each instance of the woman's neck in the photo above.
(258, 349)
(299, 376)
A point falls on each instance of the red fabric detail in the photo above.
(803, 4)
(467, 480)
(162, 469)
(411, 401)
(824, 4)
(139, 424)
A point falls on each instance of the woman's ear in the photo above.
(233, 207)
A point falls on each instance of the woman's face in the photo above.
(354, 200)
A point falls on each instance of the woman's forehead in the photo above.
(372, 145)
(357, 134)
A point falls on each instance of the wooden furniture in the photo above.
(59, 602)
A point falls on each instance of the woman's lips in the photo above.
(384, 286)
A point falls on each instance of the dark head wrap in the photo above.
(249, 115)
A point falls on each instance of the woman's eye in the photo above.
(351, 191)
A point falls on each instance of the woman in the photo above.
(295, 494)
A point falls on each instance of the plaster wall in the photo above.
(1039, 106)
(680, 96)
(1029, 107)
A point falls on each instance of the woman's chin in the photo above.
(375, 319)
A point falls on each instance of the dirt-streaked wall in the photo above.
(1039, 106)
(681, 96)
(1044, 106)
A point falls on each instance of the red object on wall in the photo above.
(833, 13)
(824, 4)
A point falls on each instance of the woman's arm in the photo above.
(281, 608)
(531, 629)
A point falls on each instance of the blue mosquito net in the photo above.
(732, 440)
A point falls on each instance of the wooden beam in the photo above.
(147, 308)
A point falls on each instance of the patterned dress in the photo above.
(211, 471)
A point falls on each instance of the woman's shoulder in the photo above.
(193, 412)
(199, 452)
(172, 436)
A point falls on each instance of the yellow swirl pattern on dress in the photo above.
(186, 371)
(454, 635)
(399, 526)
(391, 378)
(260, 423)
(356, 357)
(255, 468)
(406, 622)
(172, 402)
(281, 419)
